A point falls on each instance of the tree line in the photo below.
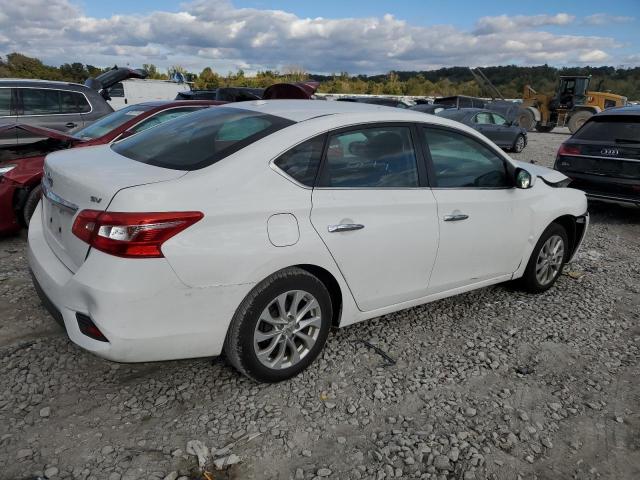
(509, 79)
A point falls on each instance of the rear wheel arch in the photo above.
(331, 284)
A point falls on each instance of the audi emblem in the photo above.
(610, 152)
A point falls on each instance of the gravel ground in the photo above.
(491, 384)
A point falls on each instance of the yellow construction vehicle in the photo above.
(570, 106)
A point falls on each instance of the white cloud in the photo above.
(596, 56)
(606, 19)
(219, 35)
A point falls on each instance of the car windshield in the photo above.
(200, 139)
(611, 129)
(111, 121)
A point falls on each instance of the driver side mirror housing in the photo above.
(523, 179)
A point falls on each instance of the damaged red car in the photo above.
(21, 165)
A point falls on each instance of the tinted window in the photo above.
(107, 123)
(461, 162)
(302, 162)
(611, 129)
(5, 101)
(453, 114)
(200, 139)
(116, 91)
(37, 101)
(162, 117)
(73, 102)
(374, 157)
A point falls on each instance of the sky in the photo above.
(327, 36)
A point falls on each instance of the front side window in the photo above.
(381, 157)
(201, 139)
(5, 102)
(302, 161)
(163, 117)
(498, 119)
(40, 101)
(462, 162)
(483, 118)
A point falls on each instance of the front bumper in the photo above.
(140, 305)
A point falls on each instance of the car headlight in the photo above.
(6, 169)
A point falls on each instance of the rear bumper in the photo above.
(8, 220)
(141, 306)
(606, 188)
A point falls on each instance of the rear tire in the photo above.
(519, 144)
(547, 260)
(578, 119)
(281, 327)
(31, 204)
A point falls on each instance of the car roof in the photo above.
(627, 110)
(301, 110)
(25, 82)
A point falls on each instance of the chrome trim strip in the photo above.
(58, 200)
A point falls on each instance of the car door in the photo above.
(49, 108)
(483, 220)
(374, 213)
(483, 122)
(504, 131)
(7, 116)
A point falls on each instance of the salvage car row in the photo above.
(259, 223)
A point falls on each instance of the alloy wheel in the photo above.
(287, 329)
(550, 260)
(520, 144)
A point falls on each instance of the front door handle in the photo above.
(71, 125)
(344, 227)
(455, 217)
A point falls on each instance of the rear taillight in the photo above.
(568, 150)
(131, 235)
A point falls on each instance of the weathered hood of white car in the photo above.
(550, 175)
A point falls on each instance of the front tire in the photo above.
(281, 327)
(31, 204)
(547, 260)
(519, 144)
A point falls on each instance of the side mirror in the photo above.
(523, 179)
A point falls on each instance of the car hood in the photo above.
(291, 91)
(39, 131)
(548, 174)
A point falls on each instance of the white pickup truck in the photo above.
(137, 90)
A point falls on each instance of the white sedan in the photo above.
(253, 228)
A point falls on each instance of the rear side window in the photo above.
(461, 162)
(611, 129)
(201, 139)
(41, 101)
(5, 102)
(301, 162)
(381, 157)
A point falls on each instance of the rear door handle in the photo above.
(71, 125)
(455, 217)
(344, 227)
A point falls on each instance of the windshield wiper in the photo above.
(626, 140)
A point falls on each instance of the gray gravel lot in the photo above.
(452, 407)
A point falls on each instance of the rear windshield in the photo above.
(113, 120)
(611, 129)
(200, 139)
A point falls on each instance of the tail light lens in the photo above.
(568, 150)
(131, 235)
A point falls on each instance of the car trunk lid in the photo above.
(89, 178)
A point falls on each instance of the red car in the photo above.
(21, 165)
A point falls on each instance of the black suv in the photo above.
(603, 156)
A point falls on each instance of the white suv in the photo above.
(253, 228)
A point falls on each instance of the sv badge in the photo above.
(95, 199)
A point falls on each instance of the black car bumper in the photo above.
(606, 188)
